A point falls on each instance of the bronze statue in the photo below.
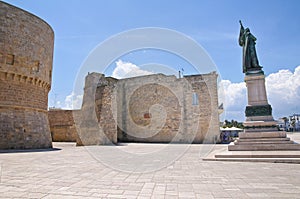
(247, 41)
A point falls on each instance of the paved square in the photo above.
(76, 172)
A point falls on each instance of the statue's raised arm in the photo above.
(241, 24)
(241, 37)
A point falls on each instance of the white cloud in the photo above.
(127, 69)
(283, 91)
(234, 98)
(72, 101)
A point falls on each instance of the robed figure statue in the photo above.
(247, 41)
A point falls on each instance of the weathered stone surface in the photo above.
(95, 123)
(62, 125)
(26, 52)
(154, 108)
(24, 128)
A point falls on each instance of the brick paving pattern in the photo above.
(73, 172)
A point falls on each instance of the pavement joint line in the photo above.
(1, 168)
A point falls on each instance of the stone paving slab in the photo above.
(76, 172)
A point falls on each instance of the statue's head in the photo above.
(247, 30)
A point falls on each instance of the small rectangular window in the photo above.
(10, 59)
(195, 99)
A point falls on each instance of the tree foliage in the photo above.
(233, 123)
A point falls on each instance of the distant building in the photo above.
(281, 124)
(293, 123)
(290, 124)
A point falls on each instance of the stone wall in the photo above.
(104, 108)
(153, 108)
(62, 125)
(95, 123)
(26, 53)
(159, 108)
(205, 86)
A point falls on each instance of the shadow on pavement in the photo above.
(28, 150)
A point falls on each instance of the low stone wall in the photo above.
(62, 125)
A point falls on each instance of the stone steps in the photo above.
(263, 152)
(264, 147)
(256, 135)
(258, 155)
(263, 139)
(259, 142)
(255, 156)
(268, 160)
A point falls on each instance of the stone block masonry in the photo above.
(62, 125)
(26, 54)
(153, 108)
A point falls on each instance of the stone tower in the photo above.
(26, 54)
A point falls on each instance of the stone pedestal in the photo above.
(260, 132)
(258, 112)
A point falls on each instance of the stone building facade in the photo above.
(153, 108)
(26, 54)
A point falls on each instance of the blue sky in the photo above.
(80, 25)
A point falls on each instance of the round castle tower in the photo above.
(26, 54)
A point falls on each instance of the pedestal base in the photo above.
(263, 141)
(260, 126)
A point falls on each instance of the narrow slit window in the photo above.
(1, 58)
(195, 99)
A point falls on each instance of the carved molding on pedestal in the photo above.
(261, 110)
